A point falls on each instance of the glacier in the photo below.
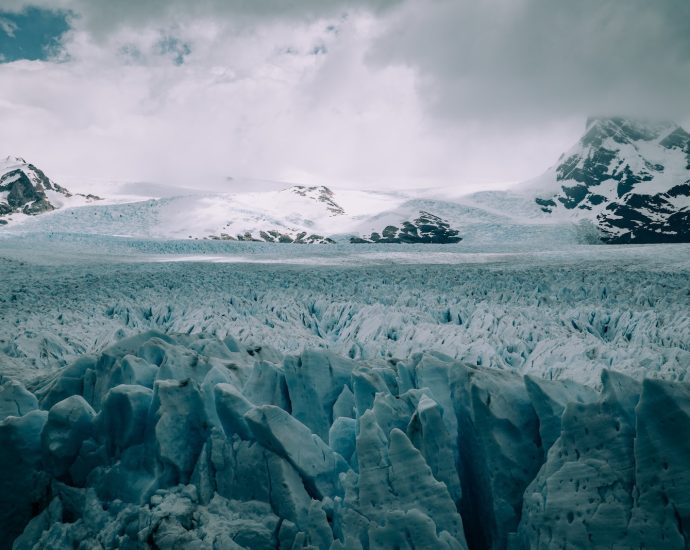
(190, 441)
(176, 394)
(555, 313)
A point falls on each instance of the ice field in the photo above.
(553, 313)
(197, 394)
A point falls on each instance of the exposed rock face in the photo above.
(23, 188)
(189, 442)
(275, 236)
(23, 195)
(427, 228)
(651, 218)
(631, 177)
(319, 193)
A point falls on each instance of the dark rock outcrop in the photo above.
(24, 188)
(427, 228)
(614, 177)
(321, 194)
(23, 195)
(275, 236)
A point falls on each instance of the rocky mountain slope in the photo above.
(26, 190)
(296, 214)
(24, 187)
(630, 178)
(427, 228)
(625, 181)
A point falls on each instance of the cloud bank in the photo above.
(379, 94)
(537, 59)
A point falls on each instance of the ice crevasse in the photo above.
(180, 441)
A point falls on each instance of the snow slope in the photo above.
(296, 209)
(624, 181)
(301, 214)
(287, 215)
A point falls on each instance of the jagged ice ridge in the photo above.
(178, 441)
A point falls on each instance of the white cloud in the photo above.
(529, 61)
(8, 27)
(262, 102)
(432, 93)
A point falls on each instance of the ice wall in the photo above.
(186, 441)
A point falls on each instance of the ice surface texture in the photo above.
(187, 441)
(349, 400)
(560, 314)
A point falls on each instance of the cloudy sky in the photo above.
(365, 93)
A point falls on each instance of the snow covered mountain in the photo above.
(625, 181)
(317, 214)
(26, 191)
(631, 178)
(296, 214)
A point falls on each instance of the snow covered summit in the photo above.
(321, 194)
(630, 177)
(624, 181)
(26, 190)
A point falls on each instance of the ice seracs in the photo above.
(556, 314)
(425, 452)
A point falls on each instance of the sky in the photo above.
(377, 94)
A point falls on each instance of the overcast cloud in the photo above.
(362, 93)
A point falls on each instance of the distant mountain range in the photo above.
(625, 181)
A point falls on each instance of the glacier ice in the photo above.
(557, 314)
(23, 483)
(15, 399)
(348, 399)
(190, 441)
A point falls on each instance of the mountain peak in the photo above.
(13, 160)
(319, 193)
(629, 176)
(310, 189)
(624, 130)
(24, 188)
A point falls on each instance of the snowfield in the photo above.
(204, 394)
(625, 181)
